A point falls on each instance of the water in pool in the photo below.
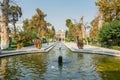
(74, 66)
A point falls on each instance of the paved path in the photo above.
(72, 46)
(30, 49)
(92, 49)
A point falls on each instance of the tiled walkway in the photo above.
(92, 49)
(72, 46)
(30, 49)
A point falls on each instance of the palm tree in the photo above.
(83, 28)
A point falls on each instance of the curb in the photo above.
(13, 53)
(102, 52)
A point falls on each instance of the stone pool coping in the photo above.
(27, 50)
(91, 49)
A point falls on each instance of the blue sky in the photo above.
(59, 10)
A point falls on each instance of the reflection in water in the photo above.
(26, 67)
(108, 67)
(60, 67)
(3, 67)
(75, 66)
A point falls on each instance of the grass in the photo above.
(13, 46)
(106, 46)
(115, 47)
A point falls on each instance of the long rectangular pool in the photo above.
(74, 66)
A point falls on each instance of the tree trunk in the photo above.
(14, 29)
(4, 37)
(4, 25)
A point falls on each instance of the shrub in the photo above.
(110, 33)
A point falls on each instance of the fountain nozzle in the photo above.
(60, 60)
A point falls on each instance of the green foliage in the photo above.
(12, 47)
(28, 44)
(74, 30)
(36, 28)
(51, 33)
(14, 13)
(116, 47)
(94, 30)
(107, 66)
(69, 23)
(38, 24)
(44, 40)
(110, 33)
(29, 33)
(110, 9)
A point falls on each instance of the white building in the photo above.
(60, 35)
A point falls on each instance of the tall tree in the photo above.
(110, 9)
(14, 13)
(51, 33)
(9, 14)
(110, 33)
(4, 24)
(74, 29)
(83, 29)
(39, 24)
(69, 24)
(94, 31)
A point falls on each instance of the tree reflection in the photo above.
(27, 67)
(108, 67)
(3, 67)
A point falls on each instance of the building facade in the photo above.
(60, 35)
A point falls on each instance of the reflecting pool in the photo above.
(75, 66)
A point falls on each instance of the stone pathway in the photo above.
(91, 49)
(30, 49)
(72, 46)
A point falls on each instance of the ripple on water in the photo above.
(75, 66)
